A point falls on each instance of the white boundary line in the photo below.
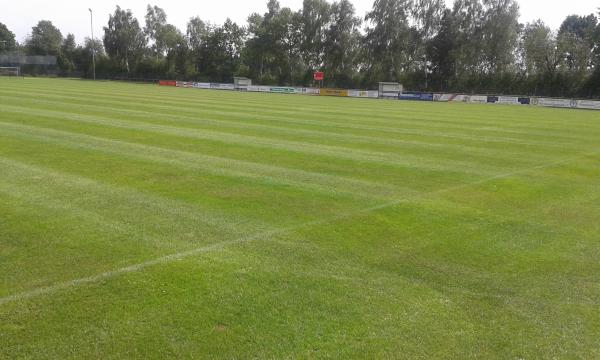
(261, 236)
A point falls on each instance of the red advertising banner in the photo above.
(319, 75)
(167, 83)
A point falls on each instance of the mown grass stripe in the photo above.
(117, 198)
(268, 174)
(274, 101)
(426, 133)
(319, 136)
(268, 234)
(400, 160)
(285, 115)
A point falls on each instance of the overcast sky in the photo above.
(72, 16)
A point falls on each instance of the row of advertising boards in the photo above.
(274, 89)
(516, 100)
(407, 95)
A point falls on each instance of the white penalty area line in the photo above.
(261, 236)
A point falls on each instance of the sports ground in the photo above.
(139, 221)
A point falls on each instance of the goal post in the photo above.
(16, 64)
(11, 71)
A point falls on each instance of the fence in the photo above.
(404, 96)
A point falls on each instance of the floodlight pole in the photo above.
(93, 43)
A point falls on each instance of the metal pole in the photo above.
(93, 43)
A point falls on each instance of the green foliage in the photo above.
(7, 40)
(219, 55)
(273, 50)
(314, 17)
(471, 46)
(45, 39)
(388, 39)
(68, 54)
(124, 40)
(500, 35)
(342, 44)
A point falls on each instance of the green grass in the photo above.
(146, 222)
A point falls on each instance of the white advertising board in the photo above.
(257, 88)
(222, 86)
(508, 100)
(588, 104)
(185, 84)
(363, 93)
(307, 91)
(449, 97)
(477, 99)
(561, 103)
(202, 85)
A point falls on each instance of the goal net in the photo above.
(10, 71)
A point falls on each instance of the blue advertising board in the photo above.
(416, 96)
(524, 101)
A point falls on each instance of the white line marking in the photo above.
(261, 236)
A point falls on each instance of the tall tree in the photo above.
(171, 39)
(467, 52)
(45, 39)
(342, 43)
(66, 60)
(500, 34)
(83, 59)
(441, 52)
(273, 48)
(124, 40)
(165, 37)
(427, 16)
(314, 17)
(540, 58)
(221, 51)
(388, 39)
(7, 39)
(540, 49)
(196, 34)
(196, 31)
(576, 42)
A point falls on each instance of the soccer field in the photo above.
(139, 221)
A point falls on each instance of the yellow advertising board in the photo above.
(333, 92)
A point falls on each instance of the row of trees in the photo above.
(473, 46)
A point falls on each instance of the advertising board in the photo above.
(363, 93)
(307, 91)
(283, 90)
(217, 86)
(167, 83)
(333, 92)
(588, 104)
(417, 96)
(560, 103)
(202, 85)
(185, 84)
(476, 99)
(258, 88)
(508, 100)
